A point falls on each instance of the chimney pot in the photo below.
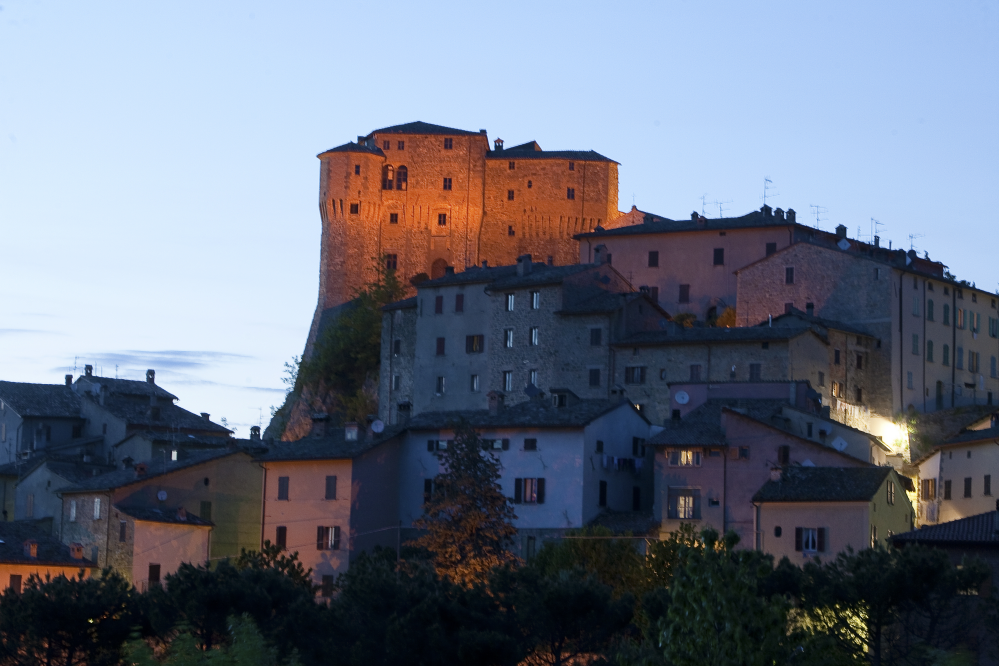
(841, 231)
(88, 370)
(498, 144)
(496, 400)
(482, 132)
(600, 254)
(151, 376)
(775, 474)
(766, 210)
(76, 550)
(254, 433)
(523, 264)
(320, 421)
(360, 140)
(485, 264)
(779, 213)
(69, 380)
(141, 469)
(449, 270)
(205, 416)
(791, 215)
(877, 241)
(182, 514)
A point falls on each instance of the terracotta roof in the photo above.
(172, 516)
(655, 224)
(41, 400)
(420, 127)
(824, 484)
(50, 550)
(532, 413)
(980, 529)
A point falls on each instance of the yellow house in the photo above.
(955, 480)
(26, 548)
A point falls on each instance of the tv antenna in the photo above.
(818, 211)
(767, 186)
(913, 237)
(721, 209)
(704, 198)
(876, 227)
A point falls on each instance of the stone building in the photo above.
(935, 340)
(506, 328)
(36, 417)
(424, 197)
(27, 548)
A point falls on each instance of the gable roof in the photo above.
(528, 414)
(824, 484)
(50, 550)
(799, 315)
(121, 478)
(41, 400)
(656, 224)
(973, 530)
(332, 446)
(354, 148)
(420, 127)
(114, 386)
(702, 426)
(171, 417)
(986, 436)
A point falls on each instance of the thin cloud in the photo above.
(175, 360)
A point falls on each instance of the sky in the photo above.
(159, 180)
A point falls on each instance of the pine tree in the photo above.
(468, 519)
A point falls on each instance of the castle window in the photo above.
(447, 183)
(442, 219)
(388, 177)
(530, 184)
(357, 169)
(401, 178)
(509, 195)
(391, 262)
(570, 193)
(448, 144)
(572, 166)
(510, 231)
(393, 218)
(401, 145)
(386, 144)
(355, 208)
(512, 165)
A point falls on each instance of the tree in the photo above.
(612, 562)
(467, 518)
(67, 621)
(718, 615)
(272, 556)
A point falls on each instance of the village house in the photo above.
(28, 548)
(805, 512)
(955, 479)
(34, 417)
(40, 480)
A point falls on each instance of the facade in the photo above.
(42, 477)
(935, 341)
(27, 548)
(807, 512)
(424, 197)
(503, 329)
(955, 479)
(563, 466)
(34, 417)
(711, 462)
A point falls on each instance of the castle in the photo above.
(424, 197)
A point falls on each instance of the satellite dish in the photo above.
(682, 398)
(378, 426)
(839, 444)
(161, 495)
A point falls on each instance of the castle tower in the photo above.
(426, 197)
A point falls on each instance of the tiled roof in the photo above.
(655, 224)
(51, 400)
(824, 484)
(420, 127)
(798, 315)
(540, 274)
(332, 446)
(702, 426)
(354, 148)
(471, 275)
(138, 413)
(124, 387)
(182, 439)
(593, 300)
(404, 304)
(50, 550)
(970, 436)
(529, 154)
(163, 516)
(980, 529)
(700, 335)
(530, 414)
(76, 471)
(126, 477)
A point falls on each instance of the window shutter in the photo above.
(540, 490)
(336, 538)
(281, 536)
(506, 444)
(821, 539)
(518, 491)
(319, 537)
(431, 444)
(797, 539)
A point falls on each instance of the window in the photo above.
(509, 302)
(974, 361)
(929, 351)
(508, 338)
(600, 446)
(929, 310)
(594, 377)
(448, 143)
(528, 491)
(959, 358)
(891, 492)
(685, 293)
(396, 382)
(534, 336)
(946, 489)
(441, 219)
(946, 355)
(357, 172)
(653, 258)
(331, 487)
(719, 258)
(388, 177)
(683, 503)
(822, 379)
(789, 275)
(510, 231)
(993, 327)
(994, 371)
(684, 458)
(530, 184)
(475, 344)
(328, 538)
(929, 489)
(570, 193)
(282, 488)
(401, 178)
(530, 444)
(860, 361)
(810, 539)
(511, 166)
(602, 499)
(572, 166)
(391, 262)
(636, 498)
(386, 145)
(439, 388)
(474, 384)
(535, 300)
(909, 380)
(638, 447)
(987, 485)
(30, 508)
(755, 372)
(771, 248)
(97, 508)
(509, 195)
(596, 335)
(915, 344)
(154, 575)
(809, 426)
(946, 314)
(915, 305)
(355, 208)
(447, 183)
(440, 346)
(634, 375)
(206, 511)
(835, 357)
(695, 372)
(397, 347)
(958, 318)
(967, 486)
(783, 455)
(72, 511)
(860, 395)
(401, 145)
(507, 380)
(438, 305)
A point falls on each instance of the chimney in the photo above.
(350, 431)
(779, 213)
(600, 254)
(694, 216)
(182, 514)
(126, 462)
(523, 265)
(141, 470)
(254, 433)
(485, 264)
(644, 289)
(31, 548)
(88, 370)
(319, 424)
(841, 231)
(498, 144)
(791, 215)
(151, 376)
(482, 132)
(205, 416)
(360, 140)
(766, 210)
(495, 402)
(877, 241)
(449, 270)
(69, 380)
(76, 550)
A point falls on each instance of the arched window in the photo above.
(401, 176)
(929, 309)
(388, 177)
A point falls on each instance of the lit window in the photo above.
(509, 302)
(534, 336)
(535, 300)
(508, 338)
(507, 380)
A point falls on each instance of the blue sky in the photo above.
(158, 179)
